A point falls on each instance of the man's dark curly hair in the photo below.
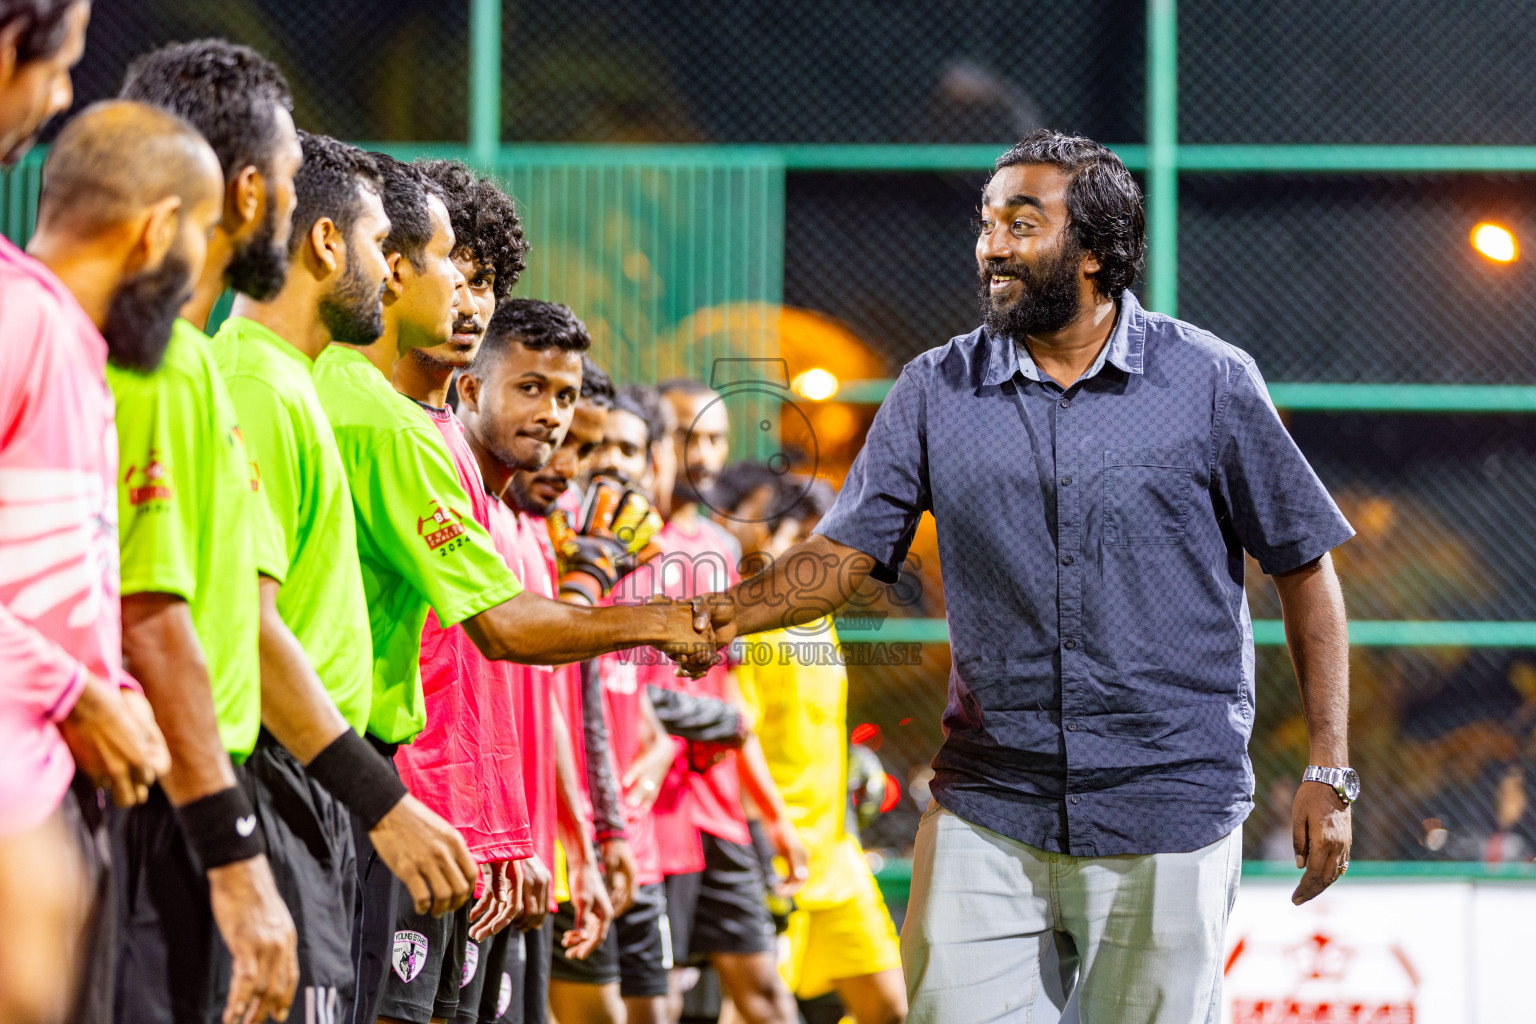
(1104, 207)
(330, 184)
(229, 92)
(45, 26)
(485, 220)
(405, 193)
(534, 324)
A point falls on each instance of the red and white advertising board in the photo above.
(1382, 952)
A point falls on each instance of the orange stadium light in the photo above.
(1495, 242)
(817, 385)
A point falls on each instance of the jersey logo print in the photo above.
(442, 526)
(151, 483)
(410, 954)
(504, 997)
(471, 961)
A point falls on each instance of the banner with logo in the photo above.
(1382, 952)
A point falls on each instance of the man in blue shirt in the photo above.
(1096, 473)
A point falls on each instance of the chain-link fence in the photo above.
(678, 255)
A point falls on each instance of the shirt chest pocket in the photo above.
(1148, 495)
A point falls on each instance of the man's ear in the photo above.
(1091, 265)
(10, 49)
(325, 248)
(246, 193)
(156, 236)
(469, 391)
(394, 284)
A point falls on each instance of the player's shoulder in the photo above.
(32, 301)
(955, 355)
(1188, 347)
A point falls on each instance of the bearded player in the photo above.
(62, 708)
(326, 779)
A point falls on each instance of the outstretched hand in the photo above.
(1321, 831)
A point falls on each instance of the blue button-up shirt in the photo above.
(1092, 541)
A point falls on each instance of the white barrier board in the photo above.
(1381, 952)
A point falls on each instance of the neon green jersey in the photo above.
(310, 546)
(419, 544)
(187, 513)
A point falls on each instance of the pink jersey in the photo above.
(534, 684)
(691, 563)
(59, 612)
(567, 678)
(622, 714)
(467, 764)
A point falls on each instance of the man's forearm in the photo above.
(607, 812)
(162, 651)
(1317, 633)
(295, 707)
(812, 579)
(533, 630)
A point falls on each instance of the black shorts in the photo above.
(722, 909)
(498, 991)
(87, 819)
(637, 952)
(372, 915)
(310, 847)
(167, 955)
(427, 967)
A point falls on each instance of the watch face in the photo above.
(1351, 785)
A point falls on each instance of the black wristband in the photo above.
(221, 828)
(358, 776)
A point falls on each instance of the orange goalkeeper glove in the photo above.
(614, 535)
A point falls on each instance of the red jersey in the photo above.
(692, 563)
(467, 763)
(533, 684)
(621, 712)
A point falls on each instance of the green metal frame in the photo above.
(1266, 632)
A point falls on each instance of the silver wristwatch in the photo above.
(1344, 781)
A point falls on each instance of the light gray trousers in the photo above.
(1000, 931)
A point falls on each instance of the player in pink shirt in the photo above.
(517, 402)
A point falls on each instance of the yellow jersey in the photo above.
(796, 691)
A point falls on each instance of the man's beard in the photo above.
(1048, 294)
(354, 310)
(519, 489)
(260, 266)
(142, 311)
(685, 493)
